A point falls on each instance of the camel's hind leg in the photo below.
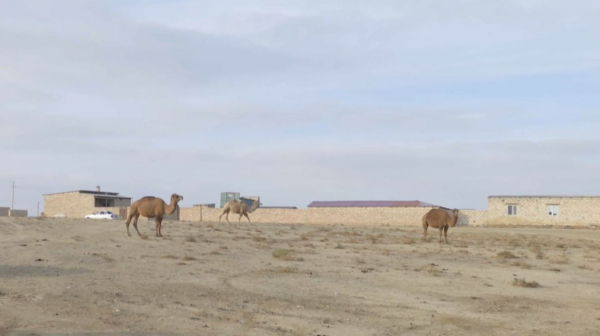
(446, 234)
(135, 220)
(247, 217)
(127, 224)
(441, 230)
(425, 225)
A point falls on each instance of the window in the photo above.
(552, 210)
(512, 210)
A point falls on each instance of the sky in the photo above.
(445, 102)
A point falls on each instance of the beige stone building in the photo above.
(543, 210)
(78, 204)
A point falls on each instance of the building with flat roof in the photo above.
(79, 203)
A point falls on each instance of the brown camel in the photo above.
(238, 207)
(152, 207)
(439, 219)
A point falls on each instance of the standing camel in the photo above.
(152, 207)
(238, 207)
(439, 219)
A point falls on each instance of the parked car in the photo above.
(102, 215)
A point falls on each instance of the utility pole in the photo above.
(38, 214)
(12, 206)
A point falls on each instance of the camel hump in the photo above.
(148, 198)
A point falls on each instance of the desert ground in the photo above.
(87, 277)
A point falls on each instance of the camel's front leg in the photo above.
(446, 234)
(441, 230)
(247, 217)
(425, 232)
(160, 227)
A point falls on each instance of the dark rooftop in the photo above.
(100, 193)
(369, 204)
(540, 196)
(278, 207)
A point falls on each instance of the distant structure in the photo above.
(371, 204)
(249, 200)
(228, 196)
(8, 212)
(79, 203)
(206, 205)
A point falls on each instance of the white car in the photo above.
(102, 215)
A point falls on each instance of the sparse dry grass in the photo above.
(407, 240)
(522, 264)
(560, 260)
(169, 256)
(431, 269)
(189, 258)
(190, 239)
(523, 283)
(339, 247)
(506, 255)
(282, 254)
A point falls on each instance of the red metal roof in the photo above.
(369, 204)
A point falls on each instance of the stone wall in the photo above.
(17, 213)
(348, 216)
(472, 217)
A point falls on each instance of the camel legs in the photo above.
(441, 230)
(247, 217)
(240, 219)
(135, 220)
(127, 224)
(158, 226)
(425, 231)
(446, 234)
(133, 216)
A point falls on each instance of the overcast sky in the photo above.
(441, 101)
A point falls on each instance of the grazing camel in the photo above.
(439, 219)
(152, 207)
(238, 207)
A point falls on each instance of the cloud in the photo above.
(297, 101)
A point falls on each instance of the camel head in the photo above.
(176, 198)
(254, 206)
(455, 217)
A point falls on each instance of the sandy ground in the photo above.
(61, 276)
